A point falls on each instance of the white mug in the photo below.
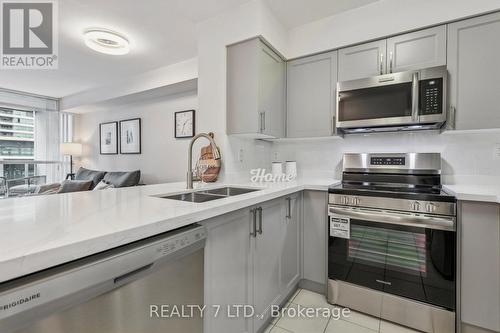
(291, 169)
(277, 169)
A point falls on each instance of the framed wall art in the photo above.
(108, 138)
(130, 136)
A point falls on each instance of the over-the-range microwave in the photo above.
(409, 100)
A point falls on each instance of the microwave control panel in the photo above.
(431, 96)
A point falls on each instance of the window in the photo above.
(17, 134)
(31, 129)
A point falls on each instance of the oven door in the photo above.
(385, 100)
(407, 255)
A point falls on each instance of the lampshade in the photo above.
(71, 148)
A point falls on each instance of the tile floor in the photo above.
(355, 323)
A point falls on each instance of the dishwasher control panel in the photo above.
(181, 241)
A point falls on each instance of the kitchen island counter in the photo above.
(44, 231)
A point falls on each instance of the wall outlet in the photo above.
(496, 151)
(240, 155)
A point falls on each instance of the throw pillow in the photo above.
(103, 186)
(68, 186)
(87, 174)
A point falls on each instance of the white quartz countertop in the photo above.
(44, 231)
(473, 187)
(470, 192)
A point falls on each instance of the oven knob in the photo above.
(355, 201)
(430, 207)
(345, 200)
(416, 206)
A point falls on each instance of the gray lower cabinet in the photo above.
(417, 50)
(252, 257)
(363, 60)
(228, 266)
(311, 86)
(255, 90)
(290, 249)
(266, 260)
(314, 239)
(480, 266)
(474, 81)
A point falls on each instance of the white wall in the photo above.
(379, 19)
(464, 154)
(163, 157)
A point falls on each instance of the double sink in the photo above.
(209, 195)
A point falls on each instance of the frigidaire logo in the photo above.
(29, 34)
(19, 301)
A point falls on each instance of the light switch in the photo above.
(240, 155)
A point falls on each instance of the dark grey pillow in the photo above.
(123, 178)
(87, 174)
(68, 186)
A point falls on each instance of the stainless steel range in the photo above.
(392, 243)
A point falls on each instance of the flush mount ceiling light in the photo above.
(106, 41)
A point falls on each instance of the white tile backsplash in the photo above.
(463, 153)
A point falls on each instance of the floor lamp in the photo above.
(71, 149)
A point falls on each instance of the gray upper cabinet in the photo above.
(417, 50)
(311, 84)
(256, 80)
(474, 81)
(363, 60)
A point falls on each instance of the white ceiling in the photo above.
(161, 32)
(293, 13)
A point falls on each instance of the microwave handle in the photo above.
(415, 97)
(381, 216)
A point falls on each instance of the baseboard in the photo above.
(467, 328)
(314, 286)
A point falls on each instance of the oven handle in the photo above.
(382, 216)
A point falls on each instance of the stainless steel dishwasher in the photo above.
(131, 289)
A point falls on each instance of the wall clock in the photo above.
(184, 124)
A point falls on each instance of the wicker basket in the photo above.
(207, 167)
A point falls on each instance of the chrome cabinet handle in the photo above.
(289, 213)
(381, 63)
(260, 220)
(262, 121)
(253, 232)
(415, 97)
(390, 62)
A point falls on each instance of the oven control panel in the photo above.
(393, 160)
